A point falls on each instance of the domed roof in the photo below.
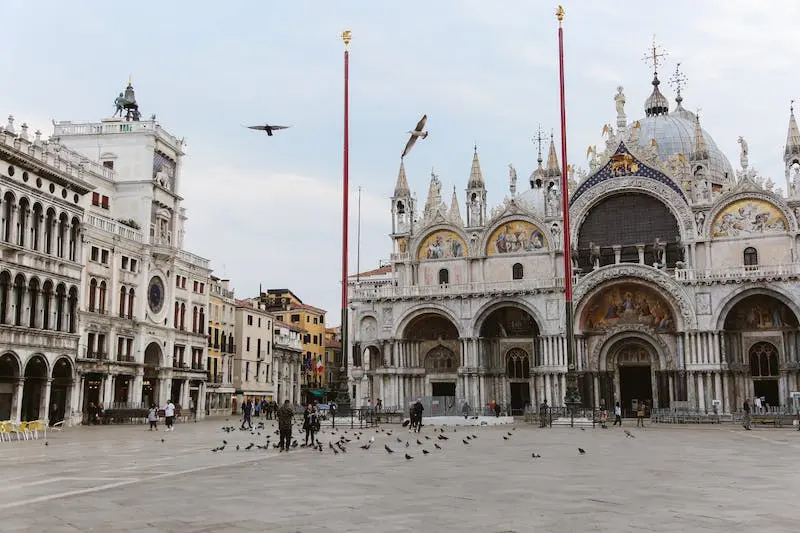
(675, 134)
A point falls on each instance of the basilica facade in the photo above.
(686, 279)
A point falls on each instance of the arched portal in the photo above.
(33, 396)
(635, 365)
(60, 390)
(150, 384)
(509, 341)
(431, 342)
(761, 336)
(9, 376)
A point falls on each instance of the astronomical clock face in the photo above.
(155, 294)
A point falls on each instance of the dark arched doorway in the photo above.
(504, 325)
(151, 383)
(432, 342)
(33, 389)
(9, 377)
(628, 220)
(758, 331)
(636, 366)
(60, 390)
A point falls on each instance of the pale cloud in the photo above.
(269, 209)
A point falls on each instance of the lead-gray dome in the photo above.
(675, 134)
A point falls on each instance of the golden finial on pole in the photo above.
(346, 36)
(130, 81)
(560, 14)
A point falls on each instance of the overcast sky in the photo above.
(268, 210)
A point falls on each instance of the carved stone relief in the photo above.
(702, 302)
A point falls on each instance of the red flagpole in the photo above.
(572, 397)
(346, 36)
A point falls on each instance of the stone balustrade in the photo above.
(389, 291)
(738, 274)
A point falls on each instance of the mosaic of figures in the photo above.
(516, 236)
(749, 217)
(760, 312)
(627, 303)
(442, 244)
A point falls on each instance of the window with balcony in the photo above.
(104, 202)
(95, 198)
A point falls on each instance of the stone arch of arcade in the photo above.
(501, 359)
(34, 390)
(761, 344)
(152, 382)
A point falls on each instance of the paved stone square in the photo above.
(682, 479)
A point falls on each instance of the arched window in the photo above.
(194, 319)
(102, 298)
(123, 295)
(177, 321)
(518, 364)
(444, 276)
(131, 296)
(183, 316)
(202, 320)
(763, 360)
(92, 294)
(750, 257)
(517, 271)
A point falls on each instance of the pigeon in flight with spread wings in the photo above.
(268, 128)
(418, 131)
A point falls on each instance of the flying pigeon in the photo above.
(418, 131)
(268, 128)
(388, 450)
(437, 446)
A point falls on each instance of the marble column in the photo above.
(16, 401)
(726, 397)
(701, 391)
(44, 403)
(640, 250)
(718, 390)
(617, 253)
(108, 390)
(671, 379)
(596, 387)
(201, 401)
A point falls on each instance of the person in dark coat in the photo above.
(285, 418)
(310, 422)
(247, 409)
(416, 419)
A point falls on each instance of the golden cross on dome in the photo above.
(654, 55)
(678, 79)
(538, 139)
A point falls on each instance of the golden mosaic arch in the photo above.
(516, 236)
(627, 303)
(442, 244)
(749, 217)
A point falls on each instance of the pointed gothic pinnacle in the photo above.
(401, 187)
(700, 150)
(475, 174)
(793, 135)
(455, 212)
(552, 158)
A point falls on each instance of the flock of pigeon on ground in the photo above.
(347, 437)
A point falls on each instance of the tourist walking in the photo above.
(640, 414)
(169, 415)
(247, 409)
(152, 417)
(617, 414)
(310, 421)
(416, 416)
(465, 410)
(285, 416)
(604, 418)
(543, 409)
(746, 420)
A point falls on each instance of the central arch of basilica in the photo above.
(685, 280)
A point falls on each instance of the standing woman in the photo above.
(310, 422)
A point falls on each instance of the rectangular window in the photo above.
(315, 320)
(259, 322)
(120, 347)
(195, 287)
(104, 257)
(124, 262)
(129, 346)
(104, 202)
(249, 320)
(279, 318)
(315, 340)
(133, 265)
(295, 318)
(95, 198)
(248, 344)
(258, 347)
(108, 164)
(183, 283)
(308, 318)
(247, 371)
(177, 281)
(95, 255)
(202, 288)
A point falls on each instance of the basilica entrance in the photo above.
(520, 397)
(635, 387)
(443, 389)
(633, 359)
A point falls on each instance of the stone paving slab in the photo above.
(666, 479)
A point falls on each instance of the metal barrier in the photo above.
(777, 416)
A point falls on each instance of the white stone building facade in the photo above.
(43, 196)
(288, 360)
(252, 364)
(686, 280)
(143, 299)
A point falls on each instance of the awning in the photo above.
(319, 393)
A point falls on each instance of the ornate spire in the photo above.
(475, 174)
(793, 136)
(656, 104)
(434, 200)
(553, 170)
(700, 150)
(401, 187)
(537, 174)
(455, 213)
(678, 81)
